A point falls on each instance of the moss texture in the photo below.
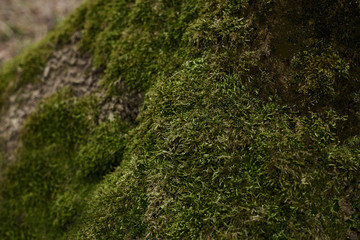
(249, 128)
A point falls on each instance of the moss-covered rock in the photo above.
(248, 128)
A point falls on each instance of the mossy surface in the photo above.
(247, 131)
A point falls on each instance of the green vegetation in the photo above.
(318, 72)
(239, 137)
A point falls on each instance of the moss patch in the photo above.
(225, 147)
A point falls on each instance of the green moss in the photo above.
(116, 208)
(244, 172)
(102, 152)
(61, 151)
(214, 154)
(318, 73)
(64, 209)
(49, 140)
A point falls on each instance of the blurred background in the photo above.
(25, 21)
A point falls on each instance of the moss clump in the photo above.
(318, 73)
(46, 185)
(251, 170)
(226, 146)
(116, 207)
(64, 209)
(102, 152)
(50, 139)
